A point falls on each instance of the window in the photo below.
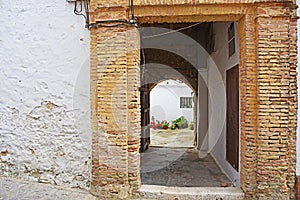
(231, 39)
(186, 102)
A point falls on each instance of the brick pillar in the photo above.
(276, 125)
(115, 107)
(248, 104)
(293, 98)
(134, 112)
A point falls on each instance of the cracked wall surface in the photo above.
(45, 132)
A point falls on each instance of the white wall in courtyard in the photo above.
(45, 132)
(165, 101)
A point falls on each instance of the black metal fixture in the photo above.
(82, 8)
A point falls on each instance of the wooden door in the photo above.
(145, 118)
(232, 117)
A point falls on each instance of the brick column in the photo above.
(110, 139)
(276, 124)
(248, 104)
(115, 106)
(293, 98)
(134, 112)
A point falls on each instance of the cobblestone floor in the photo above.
(14, 189)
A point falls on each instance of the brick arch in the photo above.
(153, 85)
(163, 65)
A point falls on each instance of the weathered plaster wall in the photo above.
(217, 127)
(45, 132)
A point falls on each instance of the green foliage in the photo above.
(173, 126)
(191, 126)
(180, 122)
(165, 124)
(152, 118)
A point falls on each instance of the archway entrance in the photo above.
(201, 56)
(267, 110)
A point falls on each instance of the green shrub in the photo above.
(180, 122)
(191, 126)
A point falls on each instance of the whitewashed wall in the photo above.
(45, 132)
(165, 101)
(217, 97)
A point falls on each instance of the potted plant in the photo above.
(165, 124)
(158, 124)
(173, 126)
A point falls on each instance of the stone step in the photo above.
(151, 192)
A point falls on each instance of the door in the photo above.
(145, 118)
(232, 117)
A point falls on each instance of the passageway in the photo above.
(204, 56)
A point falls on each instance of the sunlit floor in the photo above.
(172, 160)
(172, 138)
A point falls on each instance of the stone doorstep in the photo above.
(186, 193)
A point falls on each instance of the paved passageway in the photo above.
(180, 167)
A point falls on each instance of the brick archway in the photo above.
(268, 92)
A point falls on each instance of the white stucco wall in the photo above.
(45, 132)
(165, 101)
(217, 96)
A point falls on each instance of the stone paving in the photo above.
(180, 167)
(14, 189)
(172, 160)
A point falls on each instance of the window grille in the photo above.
(186, 102)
